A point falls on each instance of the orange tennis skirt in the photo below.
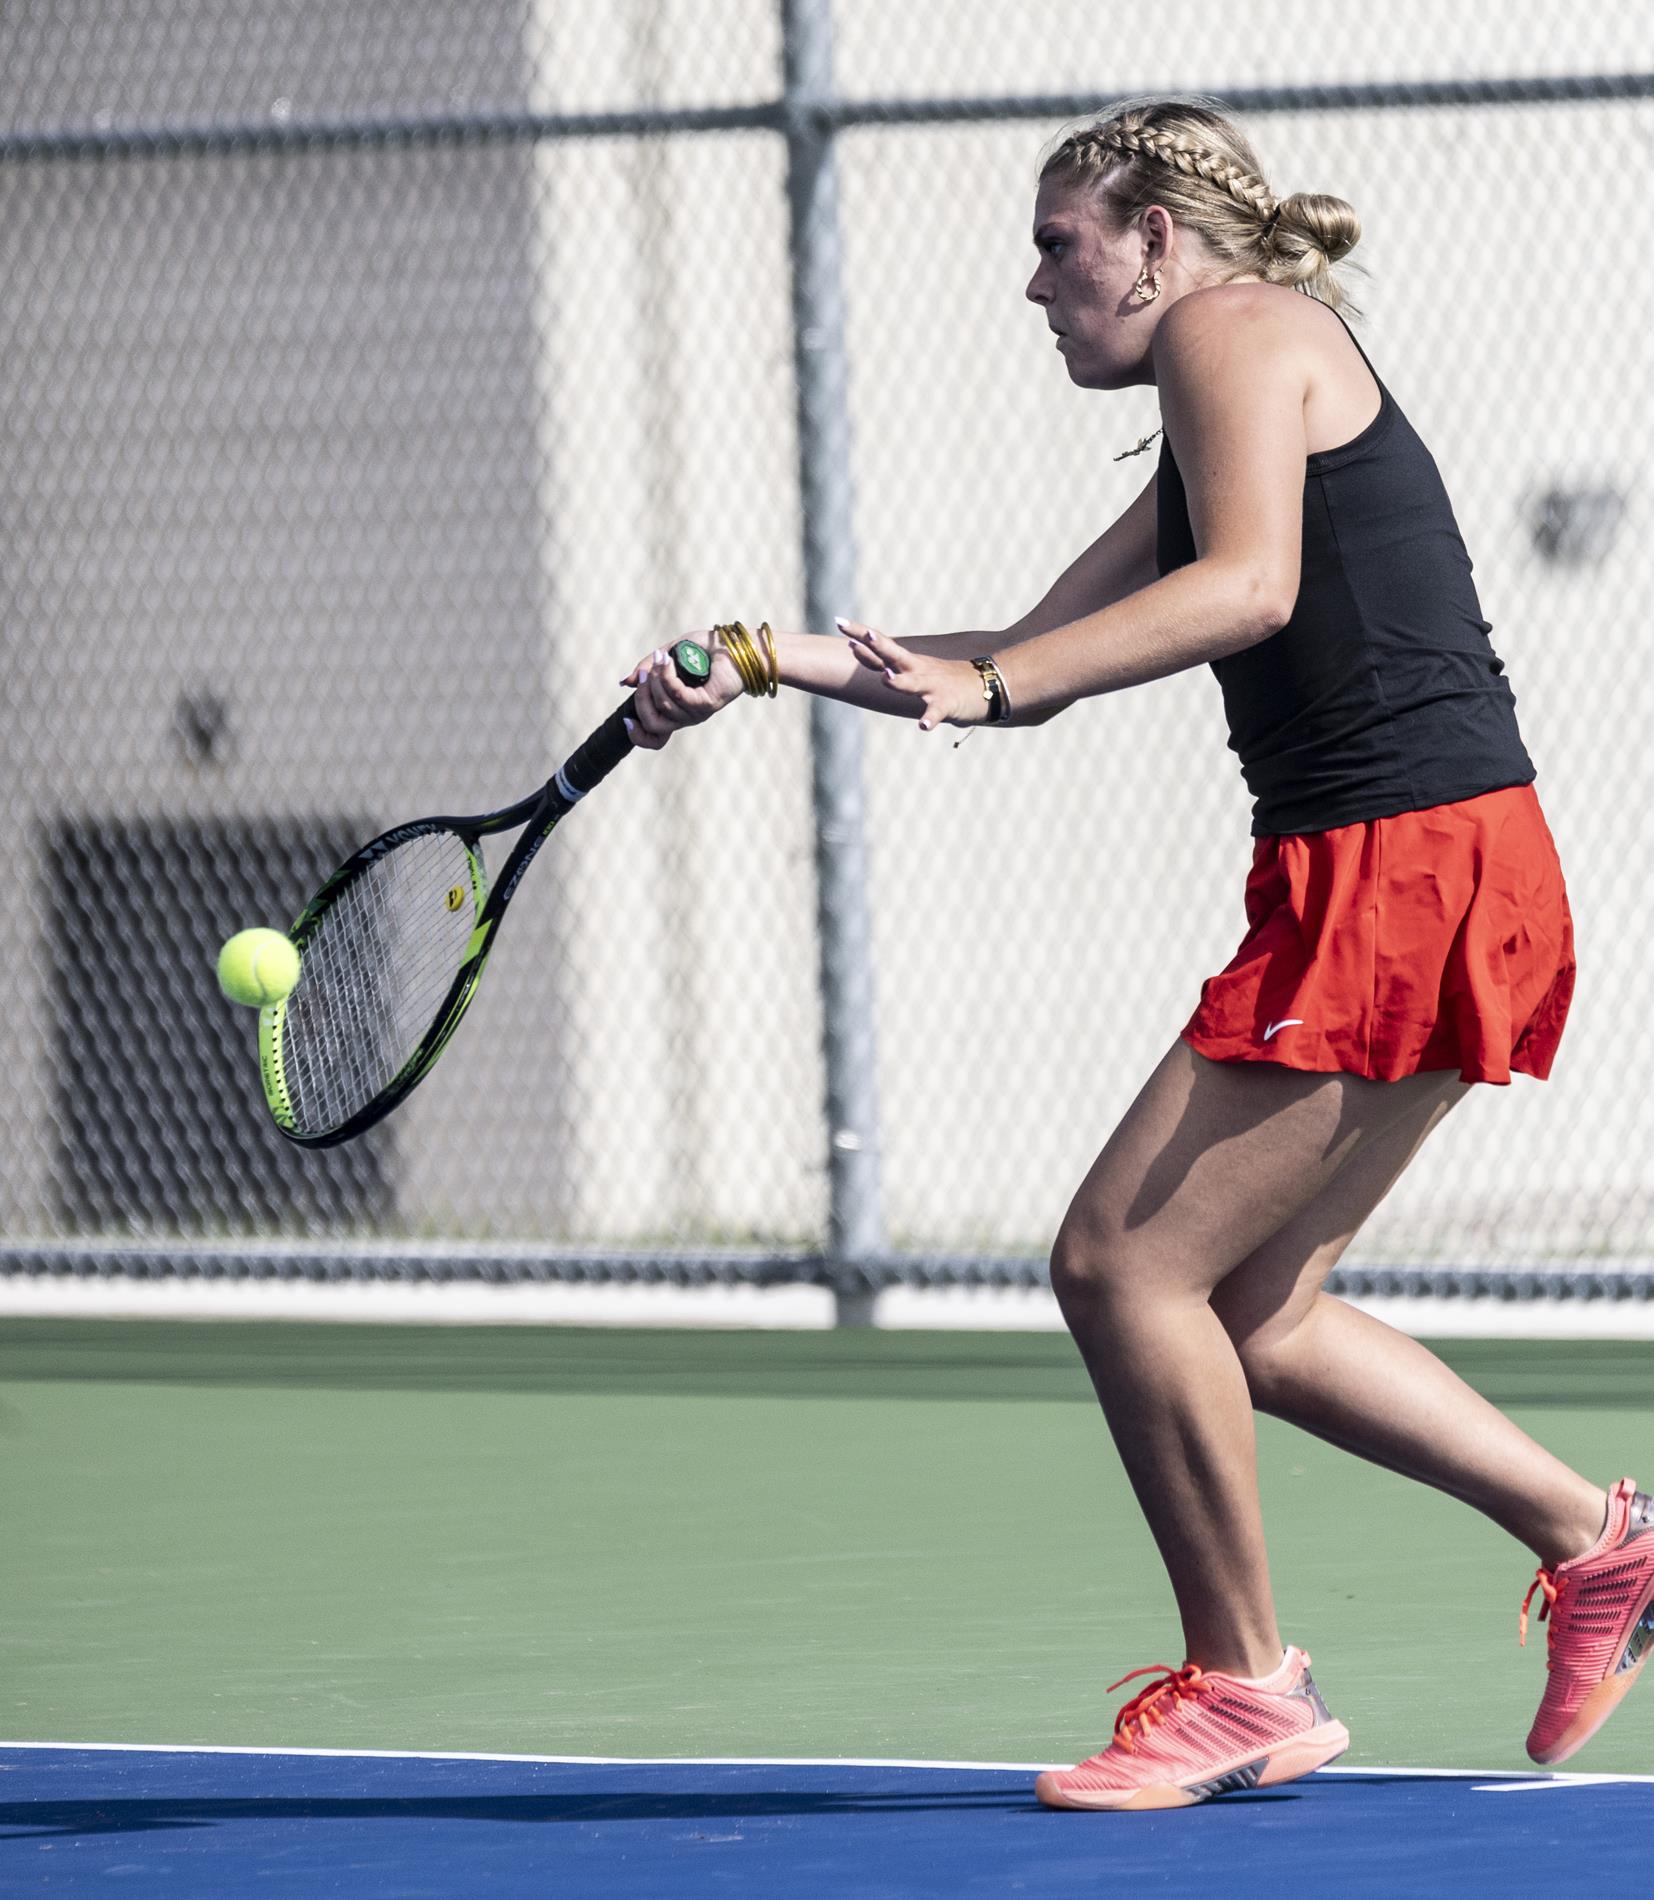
(1436, 939)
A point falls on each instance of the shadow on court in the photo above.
(33, 1819)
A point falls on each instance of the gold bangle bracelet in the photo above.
(758, 665)
(760, 671)
(751, 669)
(752, 663)
(738, 645)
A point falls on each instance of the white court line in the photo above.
(596, 1761)
(1515, 1780)
(1557, 1781)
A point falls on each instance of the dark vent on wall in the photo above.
(160, 1116)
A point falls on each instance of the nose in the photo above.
(1036, 291)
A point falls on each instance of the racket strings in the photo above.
(376, 970)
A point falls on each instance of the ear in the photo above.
(1154, 227)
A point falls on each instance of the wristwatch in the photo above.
(994, 690)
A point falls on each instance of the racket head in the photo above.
(390, 952)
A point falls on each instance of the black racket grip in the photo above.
(595, 758)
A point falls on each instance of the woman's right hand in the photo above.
(664, 702)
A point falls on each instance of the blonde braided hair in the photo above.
(1182, 153)
(1135, 135)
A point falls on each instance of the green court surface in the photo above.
(569, 1541)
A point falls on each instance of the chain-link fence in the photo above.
(381, 379)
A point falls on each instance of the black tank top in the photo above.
(1382, 693)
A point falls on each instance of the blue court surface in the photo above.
(191, 1822)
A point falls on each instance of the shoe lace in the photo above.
(1544, 1581)
(1161, 1698)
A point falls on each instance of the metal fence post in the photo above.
(856, 1211)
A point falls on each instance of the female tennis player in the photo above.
(1409, 933)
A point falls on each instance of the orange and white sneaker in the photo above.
(1194, 1733)
(1601, 1612)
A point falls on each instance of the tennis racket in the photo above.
(393, 945)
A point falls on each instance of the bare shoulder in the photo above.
(1235, 321)
(1233, 365)
(1248, 348)
(1233, 372)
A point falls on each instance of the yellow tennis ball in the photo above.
(257, 966)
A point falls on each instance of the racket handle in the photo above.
(595, 758)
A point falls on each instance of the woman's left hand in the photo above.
(949, 691)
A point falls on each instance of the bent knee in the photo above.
(1089, 1264)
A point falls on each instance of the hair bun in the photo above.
(1322, 223)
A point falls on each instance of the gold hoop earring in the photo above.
(1142, 279)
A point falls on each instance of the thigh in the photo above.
(1266, 1295)
(1215, 1157)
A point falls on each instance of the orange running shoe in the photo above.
(1601, 1611)
(1194, 1733)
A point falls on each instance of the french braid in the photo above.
(1183, 153)
(1092, 151)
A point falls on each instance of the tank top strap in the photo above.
(1357, 342)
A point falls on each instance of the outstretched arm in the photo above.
(1118, 563)
(1197, 614)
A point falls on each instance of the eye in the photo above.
(1054, 247)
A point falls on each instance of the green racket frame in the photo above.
(585, 768)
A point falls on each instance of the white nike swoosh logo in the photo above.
(1286, 1022)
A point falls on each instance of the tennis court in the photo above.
(669, 1550)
